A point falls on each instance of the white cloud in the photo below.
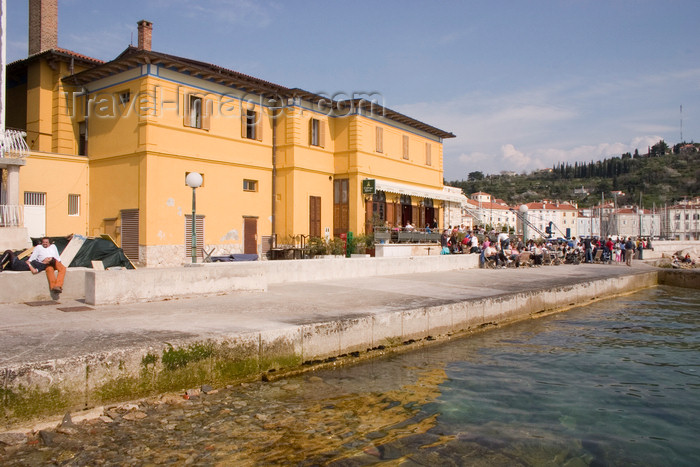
(516, 160)
(566, 121)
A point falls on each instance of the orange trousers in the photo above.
(51, 275)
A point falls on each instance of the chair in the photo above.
(524, 259)
(598, 256)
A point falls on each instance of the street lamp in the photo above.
(194, 181)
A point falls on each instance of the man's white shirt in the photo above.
(40, 253)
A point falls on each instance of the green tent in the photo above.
(94, 249)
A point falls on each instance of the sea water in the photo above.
(616, 382)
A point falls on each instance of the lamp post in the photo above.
(194, 181)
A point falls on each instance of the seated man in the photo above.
(474, 244)
(489, 254)
(45, 258)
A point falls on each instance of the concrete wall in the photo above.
(14, 238)
(23, 286)
(689, 278)
(123, 285)
(406, 249)
(150, 284)
(669, 247)
(342, 268)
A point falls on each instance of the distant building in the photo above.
(681, 221)
(588, 225)
(563, 217)
(487, 211)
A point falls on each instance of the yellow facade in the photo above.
(145, 120)
(58, 177)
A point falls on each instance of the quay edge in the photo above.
(35, 391)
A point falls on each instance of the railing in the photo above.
(11, 215)
(13, 144)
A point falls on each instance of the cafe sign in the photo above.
(369, 186)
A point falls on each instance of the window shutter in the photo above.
(428, 154)
(186, 110)
(311, 132)
(322, 133)
(258, 125)
(207, 110)
(130, 233)
(405, 147)
(244, 122)
(380, 139)
(199, 226)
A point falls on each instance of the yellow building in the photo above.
(112, 142)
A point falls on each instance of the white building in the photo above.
(488, 211)
(588, 225)
(563, 216)
(681, 221)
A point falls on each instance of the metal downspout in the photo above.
(273, 215)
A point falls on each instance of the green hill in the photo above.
(663, 175)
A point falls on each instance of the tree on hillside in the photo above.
(659, 149)
(476, 175)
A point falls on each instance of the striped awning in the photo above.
(411, 190)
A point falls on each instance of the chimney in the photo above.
(145, 32)
(43, 25)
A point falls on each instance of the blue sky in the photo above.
(522, 84)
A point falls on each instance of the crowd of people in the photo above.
(501, 250)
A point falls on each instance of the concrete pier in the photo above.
(69, 356)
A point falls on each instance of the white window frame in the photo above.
(73, 204)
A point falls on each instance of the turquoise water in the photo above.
(613, 383)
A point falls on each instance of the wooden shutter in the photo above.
(314, 216)
(130, 233)
(244, 122)
(391, 213)
(405, 147)
(379, 133)
(369, 205)
(199, 226)
(322, 133)
(207, 111)
(186, 109)
(428, 154)
(341, 206)
(258, 124)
